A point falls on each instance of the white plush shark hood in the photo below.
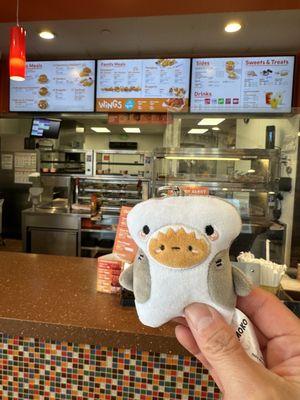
(190, 212)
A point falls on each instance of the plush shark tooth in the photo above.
(188, 230)
(155, 234)
(175, 228)
(164, 229)
(198, 235)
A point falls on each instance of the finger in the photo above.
(180, 320)
(270, 316)
(187, 340)
(262, 340)
(282, 349)
(218, 344)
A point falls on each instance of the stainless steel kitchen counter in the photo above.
(56, 211)
(51, 231)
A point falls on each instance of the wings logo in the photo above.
(110, 105)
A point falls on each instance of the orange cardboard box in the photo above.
(108, 271)
(110, 266)
(124, 245)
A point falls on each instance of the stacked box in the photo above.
(124, 246)
(108, 272)
(110, 266)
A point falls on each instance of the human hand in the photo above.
(206, 335)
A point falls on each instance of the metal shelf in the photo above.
(117, 179)
(119, 163)
(121, 200)
(84, 197)
(215, 186)
(96, 248)
(98, 230)
(63, 162)
(194, 152)
(110, 191)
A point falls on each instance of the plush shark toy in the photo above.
(183, 257)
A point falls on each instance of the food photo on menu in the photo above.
(55, 86)
(148, 85)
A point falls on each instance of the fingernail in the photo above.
(199, 316)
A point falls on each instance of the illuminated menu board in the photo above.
(246, 84)
(153, 85)
(55, 86)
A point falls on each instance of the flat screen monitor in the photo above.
(145, 85)
(242, 84)
(55, 86)
(45, 128)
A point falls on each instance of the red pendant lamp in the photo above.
(17, 52)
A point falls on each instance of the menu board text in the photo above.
(254, 84)
(55, 86)
(154, 85)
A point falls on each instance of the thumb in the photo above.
(218, 344)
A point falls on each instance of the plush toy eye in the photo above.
(209, 230)
(190, 248)
(146, 229)
(162, 247)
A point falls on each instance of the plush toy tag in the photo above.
(246, 334)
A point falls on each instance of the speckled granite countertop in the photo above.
(55, 297)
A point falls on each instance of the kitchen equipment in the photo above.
(46, 231)
(123, 162)
(35, 196)
(113, 192)
(66, 162)
(1, 207)
(270, 137)
(57, 194)
(35, 192)
(247, 178)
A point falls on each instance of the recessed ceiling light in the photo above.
(216, 128)
(195, 131)
(105, 32)
(79, 129)
(132, 130)
(100, 129)
(17, 78)
(232, 27)
(47, 35)
(211, 121)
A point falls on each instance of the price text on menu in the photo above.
(254, 84)
(153, 85)
(55, 86)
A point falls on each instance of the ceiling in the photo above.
(203, 34)
(32, 10)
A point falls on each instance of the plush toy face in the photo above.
(182, 232)
(178, 247)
